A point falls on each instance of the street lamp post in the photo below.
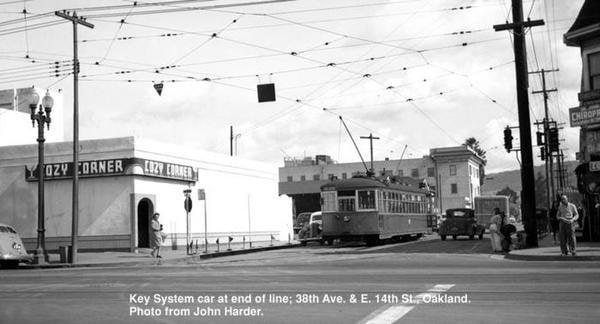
(42, 116)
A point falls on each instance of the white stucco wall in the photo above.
(229, 183)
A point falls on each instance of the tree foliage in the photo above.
(512, 195)
(473, 143)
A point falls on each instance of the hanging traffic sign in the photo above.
(158, 87)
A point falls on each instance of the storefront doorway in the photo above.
(145, 209)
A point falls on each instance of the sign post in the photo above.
(202, 196)
(187, 205)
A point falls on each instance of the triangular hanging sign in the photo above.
(158, 87)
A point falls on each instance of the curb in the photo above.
(526, 257)
(152, 261)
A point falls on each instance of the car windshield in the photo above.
(458, 213)
(316, 217)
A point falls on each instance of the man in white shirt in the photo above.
(567, 215)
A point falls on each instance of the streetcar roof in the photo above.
(367, 183)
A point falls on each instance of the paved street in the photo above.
(383, 284)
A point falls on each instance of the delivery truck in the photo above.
(484, 208)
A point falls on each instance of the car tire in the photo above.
(443, 237)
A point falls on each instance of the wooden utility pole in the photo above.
(527, 177)
(371, 138)
(548, 161)
(75, 222)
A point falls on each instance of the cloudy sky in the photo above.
(416, 73)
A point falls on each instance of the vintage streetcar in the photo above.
(371, 210)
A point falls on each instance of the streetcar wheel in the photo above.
(443, 237)
(481, 236)
(471, 237)
(303, 243)
(330, 242)
(454, 237)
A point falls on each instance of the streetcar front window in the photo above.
(328, 201)
(366, 199)
(346, 200)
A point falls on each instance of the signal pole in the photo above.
(548, 161)
(75, 222)
(527, 176)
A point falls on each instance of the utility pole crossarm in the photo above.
(515, 25)
(74, 18)
(544, 91)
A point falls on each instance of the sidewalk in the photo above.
(168, 255)
(549, 251)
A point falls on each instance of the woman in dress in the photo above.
(155, 236)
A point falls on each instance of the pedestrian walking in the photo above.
(567, 215)
(495, 235)
(156, 236)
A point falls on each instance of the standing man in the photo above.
(495, 226)
(567, 215)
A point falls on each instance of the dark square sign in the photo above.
(266, 92)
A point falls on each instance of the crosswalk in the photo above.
(390, 314)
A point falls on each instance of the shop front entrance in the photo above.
(145, 209)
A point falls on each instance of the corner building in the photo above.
(123, 181)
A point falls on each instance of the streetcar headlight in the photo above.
(346, 218)
(16, 246)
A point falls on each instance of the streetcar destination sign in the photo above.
(114, 167)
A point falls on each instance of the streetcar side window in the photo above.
(328, 199)
(366, 199)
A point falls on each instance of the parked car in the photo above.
(301, 220)
(460, 221)
(312, 229)
(12, 250)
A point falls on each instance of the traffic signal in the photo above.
(543, 153)
(553, 139)
(540, 138)
(508, 139)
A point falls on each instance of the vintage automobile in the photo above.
(12, 250)
(312, 230)
(460, 221)
(300, 222)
